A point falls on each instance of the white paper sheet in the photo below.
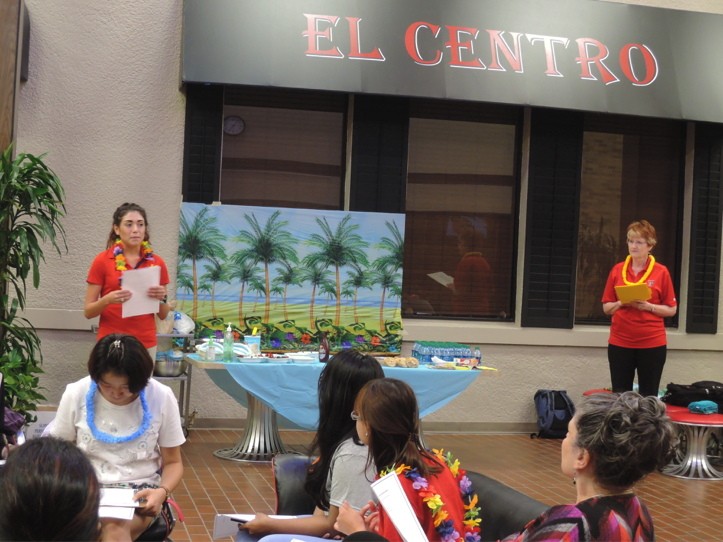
(138, 281)
(118, 496)
(443, 278)
(117, 512)
(224, 524)
(398, 508)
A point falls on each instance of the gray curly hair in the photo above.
(627, 435)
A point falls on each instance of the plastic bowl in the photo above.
(170, 367)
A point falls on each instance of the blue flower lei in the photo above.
(105, 437)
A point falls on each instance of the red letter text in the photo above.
(549, 42)
(376, 54)
(410, 40)
(585, 60)
(314, 35)
(651, 64)
(456, 47)
(497, 42)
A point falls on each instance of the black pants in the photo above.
(648, 361)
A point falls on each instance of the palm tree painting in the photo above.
(395, 247)
(257, 286)
(199, 239)
(270, 269)
(215, 273)
(287, 275)
(268, 244)
(315, 275)
(358, 278)
(387, 278)
(244, 272)
(337, 248)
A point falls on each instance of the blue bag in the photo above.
(554, 411)
(703, 407)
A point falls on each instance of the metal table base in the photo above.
(260, 440)
(695, 464)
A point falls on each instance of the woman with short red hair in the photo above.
(637, 334)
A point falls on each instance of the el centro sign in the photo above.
(576, 54)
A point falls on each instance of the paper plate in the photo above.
(304, 360)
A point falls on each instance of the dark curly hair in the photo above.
(628, 436)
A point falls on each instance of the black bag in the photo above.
(554, 411)
(683, 395)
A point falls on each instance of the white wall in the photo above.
(103, 98)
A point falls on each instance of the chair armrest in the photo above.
(289, 475)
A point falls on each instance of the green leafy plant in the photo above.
(31, 206)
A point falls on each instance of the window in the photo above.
(290, 153)
(461, 208)
(632, 169)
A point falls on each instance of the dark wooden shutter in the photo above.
(705, 234)
(379, 154)
(202, 151)
(553, 203)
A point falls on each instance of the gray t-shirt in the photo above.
(347, 479)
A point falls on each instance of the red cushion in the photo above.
(675, 408)
(590, 392)
(700, 419)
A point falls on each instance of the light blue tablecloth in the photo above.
(291, 389)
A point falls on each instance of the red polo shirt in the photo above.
(104, 274)
(632, 328)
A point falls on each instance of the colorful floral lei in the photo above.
(121, 264)
(445, 527)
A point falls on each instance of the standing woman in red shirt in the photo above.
(128, 247)
(637, 334)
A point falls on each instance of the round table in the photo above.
(698, 429)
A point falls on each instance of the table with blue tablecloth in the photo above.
(290, 389)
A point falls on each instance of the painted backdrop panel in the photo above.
(293, 274)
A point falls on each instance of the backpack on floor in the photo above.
(554, 411)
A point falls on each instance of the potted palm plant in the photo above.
(31, 206)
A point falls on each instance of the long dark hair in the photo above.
(49, 492)
(339, 383)
(389, 408)
(118, 215)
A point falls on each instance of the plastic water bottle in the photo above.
(478, 356)
(228, 345)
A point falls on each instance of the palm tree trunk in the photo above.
(241, 305)
(356, 316)
(256, 301)
(312, 325)
(268, 294)
(381, 312)
(286, 316)
(213, 300)
(327, 304)
(338, 298)
(183, 302)
(195, 292)
(396, 308)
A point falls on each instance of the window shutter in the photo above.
(548, 298)
(202, 148)
(705, 234)
(379, 154)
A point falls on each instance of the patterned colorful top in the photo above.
(619, 517)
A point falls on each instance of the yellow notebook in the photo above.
(627, 294)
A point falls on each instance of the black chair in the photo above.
(503, 510)
(160, 528)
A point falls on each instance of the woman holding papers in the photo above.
(440, 494)
(128, 248)
(341, 473)
(613, 442)
(637, 334)
(128, 426)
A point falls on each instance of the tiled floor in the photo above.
(682, 509)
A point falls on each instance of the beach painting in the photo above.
(293, 275)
